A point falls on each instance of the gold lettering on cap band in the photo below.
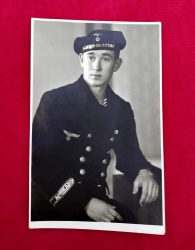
(62, 191)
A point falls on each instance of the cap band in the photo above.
(98, 45)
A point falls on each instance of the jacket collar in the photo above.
(90, 109)
(85, 96)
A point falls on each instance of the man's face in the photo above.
(98, 66)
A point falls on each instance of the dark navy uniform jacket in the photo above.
(72, 137)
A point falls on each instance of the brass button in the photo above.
(88, 149)
(104, 161)
(112, 139)
(80, 182)
(68, 138)
(89, 136)
(82, 159)
(108, 152)
(116, 132)
(99, 185)
(102, 174)
(82, 171)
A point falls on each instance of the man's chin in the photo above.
(95, 84)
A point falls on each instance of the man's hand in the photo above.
(99, 210)
(149, 186)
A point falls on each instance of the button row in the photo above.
(111, 139)
(80, 182)
(82, 159)
(90, 135)
(82, 172)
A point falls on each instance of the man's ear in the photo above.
(81, 59)
(117, 64)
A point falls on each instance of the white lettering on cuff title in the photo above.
(62, 191)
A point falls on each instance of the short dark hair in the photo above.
(117, 54)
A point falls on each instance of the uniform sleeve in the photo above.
(130, 159)
(50, 168)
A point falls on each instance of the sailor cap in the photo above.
(100, 40)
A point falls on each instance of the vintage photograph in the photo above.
(96, 147)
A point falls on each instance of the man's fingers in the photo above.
(142, 199)
(152, 193)
(144, 193)
(149, 188)
(135, 187)
(119, 217)
(115, 214)
(154, 196)
(105, 220)
(109, 216)
(99, 210)
(155, 192)
(149, 197)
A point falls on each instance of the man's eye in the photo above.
(106, 59)
(91, 57)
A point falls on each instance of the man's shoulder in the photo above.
(117, 100)
(61, 91)
(61, 95)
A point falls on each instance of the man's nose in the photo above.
(97, 64)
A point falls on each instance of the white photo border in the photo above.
(122, 227)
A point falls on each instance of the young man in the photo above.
(74, 129)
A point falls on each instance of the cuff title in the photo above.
(62, 191)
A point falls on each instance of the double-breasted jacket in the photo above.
(72, 136)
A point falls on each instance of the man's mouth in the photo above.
(95, 75)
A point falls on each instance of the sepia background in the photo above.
(138, 81)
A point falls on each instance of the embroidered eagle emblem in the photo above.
(97, 37)
(69, 135)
